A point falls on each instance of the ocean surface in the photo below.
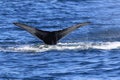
(91, 52)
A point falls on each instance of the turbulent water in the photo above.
(88, 53)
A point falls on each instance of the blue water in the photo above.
(89, 53)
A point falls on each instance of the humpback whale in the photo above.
(49, 37)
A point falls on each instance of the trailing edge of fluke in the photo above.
(50, 37)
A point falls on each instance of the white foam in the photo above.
(63, 46)
(107, 45)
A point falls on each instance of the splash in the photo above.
(62, 47)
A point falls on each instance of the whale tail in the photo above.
(48, 37)
(66, 31)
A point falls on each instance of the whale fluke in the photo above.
(50, 37)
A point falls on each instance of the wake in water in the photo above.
(62, 46)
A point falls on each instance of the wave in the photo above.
(62, 47)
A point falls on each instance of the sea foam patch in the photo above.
(62, 46)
